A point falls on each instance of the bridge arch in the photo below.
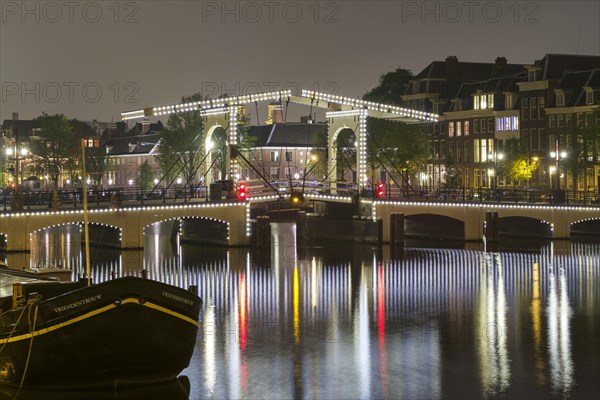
(208, 146)
(438, 226)
(217, 231)
(588, 227)
(524, 226)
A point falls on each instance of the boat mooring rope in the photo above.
(32, 329)
(14, 327)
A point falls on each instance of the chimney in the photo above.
(501, 61)
(451, 68)
(499, 66)
(145, 127)
(15, 116)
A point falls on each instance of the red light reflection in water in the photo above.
(381, 327)
(243, 316)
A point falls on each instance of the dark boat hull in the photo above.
(125, 331)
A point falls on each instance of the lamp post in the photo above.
(494, 173)
(558, 156)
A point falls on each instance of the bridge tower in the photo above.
(356, 120)
(226, 118)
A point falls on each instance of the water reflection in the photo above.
(348, 322)
(492, 330)
(559, 335)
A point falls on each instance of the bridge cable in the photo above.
(391, 162)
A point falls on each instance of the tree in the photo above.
(181, 145)
(516, 164)
(396, 146)
(452, 179)
(146, 177)
(56, 144)
(521, 170)
(583, 148)
(392, 86)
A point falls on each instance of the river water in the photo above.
(342, 321)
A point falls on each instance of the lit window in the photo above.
(451, 129)
(476, 102)
(274, 156)
(459, 128)
(466, 128)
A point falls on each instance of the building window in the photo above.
(475, 126)
(589, 97)
(466, 153)
(534, 139)
(483, 101)
(533, 113)
(541, 104)
(451, 129)
(525, 109)
(466, 128)
(274, 156)
(288, 156)
(551, 121)
(560, 99)
(508, 101)
(459, 128)
(532, 75)
(490, 126)
(568, 119)
(579, 119)
(560, 120)
(483, 126)
(288, 172)
(507, 124)
(541, 134)
(274, 172)
(476, 150)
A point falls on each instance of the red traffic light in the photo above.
(242, 191)
(380, 189)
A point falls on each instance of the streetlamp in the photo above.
(493, 173)
(558, 156)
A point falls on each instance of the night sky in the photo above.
(95, 59)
